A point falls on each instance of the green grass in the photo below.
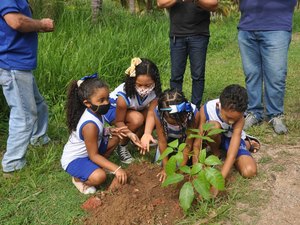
(42, 193)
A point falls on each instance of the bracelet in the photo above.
(117, 169)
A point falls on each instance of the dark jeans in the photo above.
(195, 47)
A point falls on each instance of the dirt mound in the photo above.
(141, 201)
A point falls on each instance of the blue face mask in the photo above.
(100, 109)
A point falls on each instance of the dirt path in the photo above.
(280, 183)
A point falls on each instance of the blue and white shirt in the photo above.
(75, 147)
(212, 114)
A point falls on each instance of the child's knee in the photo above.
(97, 177)
(137, 121)
(248, 171)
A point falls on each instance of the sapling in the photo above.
(201, 176)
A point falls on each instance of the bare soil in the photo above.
(144, 201)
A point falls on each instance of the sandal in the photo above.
(254, 143)
(83, 188)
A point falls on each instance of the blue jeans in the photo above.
(28, 120)
(194, 47)
(264, 57)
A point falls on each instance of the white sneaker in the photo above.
(124, 154)
(83, 188)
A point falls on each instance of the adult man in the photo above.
(189, 37)
(28, 119)
(264, 38)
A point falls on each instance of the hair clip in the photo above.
(131, 70)
(79, 82)
(182, 107)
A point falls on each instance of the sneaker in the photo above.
(83, 188)
(278, 124)
(250, 121)
(124, 154)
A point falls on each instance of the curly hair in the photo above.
(145, 67)
(75, 97)
(234, 97)
(184, 119)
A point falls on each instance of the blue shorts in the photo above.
(225, 141)
(82, 168)
(110, 116)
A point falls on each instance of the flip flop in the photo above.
(251, 139)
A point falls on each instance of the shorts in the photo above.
(225, 141)
(82, 168)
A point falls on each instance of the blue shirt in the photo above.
(266, 15)
(18, 51)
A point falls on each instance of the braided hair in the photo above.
(183, 119)
(146, 67)
(75, 97)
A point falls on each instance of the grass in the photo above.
(42, 193)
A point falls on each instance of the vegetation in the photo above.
(200, 176)
(42, 193)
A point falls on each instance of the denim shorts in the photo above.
(225, 142)
(82, 168)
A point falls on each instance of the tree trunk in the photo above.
(96, 8)
(132, 6)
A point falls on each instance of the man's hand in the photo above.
(47, 25)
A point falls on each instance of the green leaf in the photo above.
(172, 179)
(196, 168)
(195, 130)
(186, 196)
(181, 147)
(202, 185)
(215, 177)
(195, 136)
(207, 126)
(185, 169)
(207, 139)
(166, 152)
(202, 156)
(212, 160)
(170, 167)
(179, 157)
(215, 131)
(174, 144)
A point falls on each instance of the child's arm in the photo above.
(233, 147)
(90, 135)
(121, 112)
(196, 144)
(149, 127)
(198, 141)
(162, 144)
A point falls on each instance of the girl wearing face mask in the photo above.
(85, 155)
(132, 102)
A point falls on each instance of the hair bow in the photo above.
(79, 82)
(131, 70)
(182, 107)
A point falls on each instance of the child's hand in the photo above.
(162, 176)
(121, 176)
(135, 139)
(146, 140)
(120, 132)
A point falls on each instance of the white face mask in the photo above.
(143, 92)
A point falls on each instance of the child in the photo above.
(86, 152)
(133, 102)
(174, 116)
(227, 113)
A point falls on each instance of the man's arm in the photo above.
(209, 5)
(22, 23)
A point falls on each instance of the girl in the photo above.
(174, 115)
(86, 152)
(133, 102)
